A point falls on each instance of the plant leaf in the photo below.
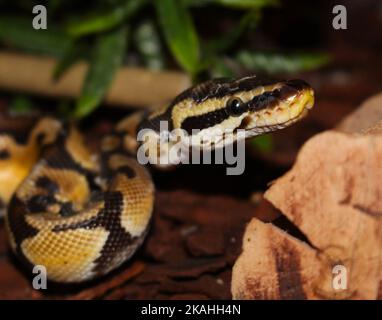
(19, 33)
(179, 32)
(148, 44)
(73, 54)
(264, 143)
(277, 63)
(98, 22)
(107, 58)
(20, 104)
(228, 40)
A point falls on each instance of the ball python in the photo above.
(80, 214)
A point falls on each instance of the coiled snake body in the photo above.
(82, 216)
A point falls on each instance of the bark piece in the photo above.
(332, 195)
(273, 265)
(364, 117)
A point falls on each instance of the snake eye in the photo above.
(235, 106)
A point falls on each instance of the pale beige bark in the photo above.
(333, 196)
(365, 117)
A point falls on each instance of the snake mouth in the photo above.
(283, 114)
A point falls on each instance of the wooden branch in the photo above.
(131, 87)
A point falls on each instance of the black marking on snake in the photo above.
(109, 173)
(47, 184)
(126, 170)
(40, 203)
(108, 218)
(20, 136)
(40, 138)
(4, 154)
(57, 157)
(17, 223)
(154, 123)
(210, 119)
(206, 120)
(66, 209)
(297, 84)
(268, 99)
(262, 101)
(219, 88)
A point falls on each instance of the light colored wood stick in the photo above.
(135, 87)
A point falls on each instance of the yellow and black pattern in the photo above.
(82, 215)
(78, 217)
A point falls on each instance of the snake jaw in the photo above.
(280, 113)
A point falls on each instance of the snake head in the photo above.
(277, 107)
(219, 108)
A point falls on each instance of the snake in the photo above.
(81, 214)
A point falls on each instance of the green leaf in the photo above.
(19, 33)
(277, 63)
(107, 58)
(148, 44)
(97, 22)
(179, 32)
(228, 40)
(263, 143)
(20, 104)
(73, 54)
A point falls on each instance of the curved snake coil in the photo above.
(82, 215)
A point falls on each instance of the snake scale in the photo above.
(82, 215)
